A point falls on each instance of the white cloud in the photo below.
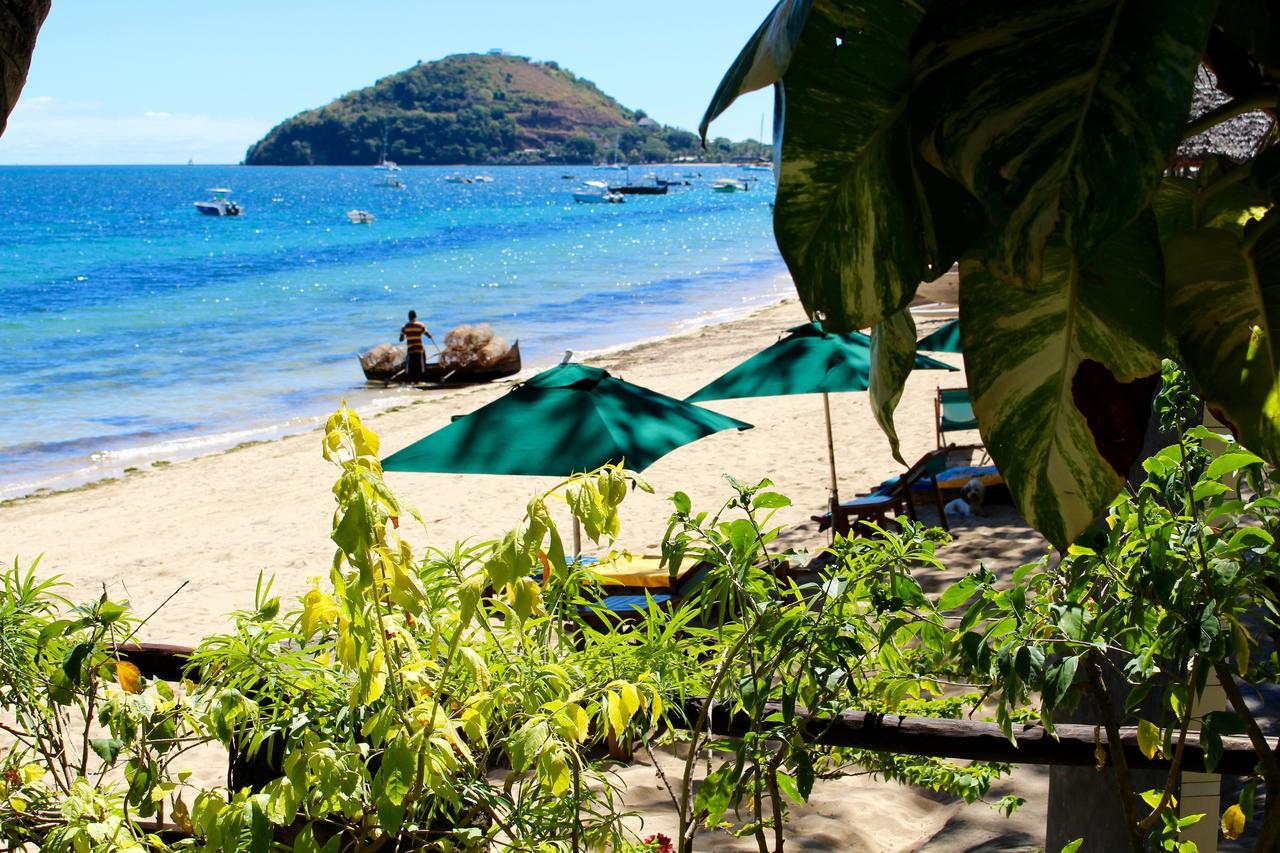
(44, 130)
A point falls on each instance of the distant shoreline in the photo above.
(707, 164)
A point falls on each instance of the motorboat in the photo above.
(219, 205)
(459, 179)
(482, 179)
(361, 217)
(729, 185)
(656, 188)
(391, 181)
(758, 167)
(597, 192)
(649, 185)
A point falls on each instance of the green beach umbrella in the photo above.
(945, 338)
(565, 420)
(806, 360)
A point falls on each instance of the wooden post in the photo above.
(1200, 793)
(831, 457)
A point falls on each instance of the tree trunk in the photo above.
(1083, 802)
(20, 21)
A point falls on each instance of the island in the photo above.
(483, 109)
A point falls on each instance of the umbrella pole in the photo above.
(831, 457)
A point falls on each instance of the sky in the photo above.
(167, 81)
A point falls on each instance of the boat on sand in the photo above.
(386, 363)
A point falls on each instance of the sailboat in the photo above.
(762, 165)
(383, 162)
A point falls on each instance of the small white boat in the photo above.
(360, 217)
(391, 181)
(597, 192)
(482, 179)
(459, 179)
(729, 185)
(758, 167)
(219, 205)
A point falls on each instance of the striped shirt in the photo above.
(412, 334)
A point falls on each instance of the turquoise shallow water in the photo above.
(134, 329)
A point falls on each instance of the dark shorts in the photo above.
(416, 366)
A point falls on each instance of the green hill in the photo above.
(480, 109)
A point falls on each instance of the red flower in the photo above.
(663, 844)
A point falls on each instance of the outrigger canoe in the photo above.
(440, 374)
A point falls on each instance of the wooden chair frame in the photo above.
(898, 498)
(937, 415)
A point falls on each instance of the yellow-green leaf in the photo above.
(617, 716)
(555, 772)
(477, 666)
(630, 700)
(318, 608)
(1240, 639)
(469, 594)
(346, 646)
(1149, 738)
(377, 677)
(128, 676)
(1233, 822)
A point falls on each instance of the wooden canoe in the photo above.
(439, 374)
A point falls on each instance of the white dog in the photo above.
(969, 504)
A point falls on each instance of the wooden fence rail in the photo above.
(961, 739)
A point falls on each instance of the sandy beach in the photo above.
(215, 523)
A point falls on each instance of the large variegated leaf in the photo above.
(763, 60)
(1059, 116)
(1224, 310)
(1061, 378)
(893, 353)
(856, 212)
(855, 215)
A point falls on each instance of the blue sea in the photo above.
(133, 329)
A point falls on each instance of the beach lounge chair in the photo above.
(631, 581)
(954, 412)
(892, 496)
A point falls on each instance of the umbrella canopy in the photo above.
(806, 360)
(565, 420)
(945, 338)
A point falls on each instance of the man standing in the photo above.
(412, 332)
